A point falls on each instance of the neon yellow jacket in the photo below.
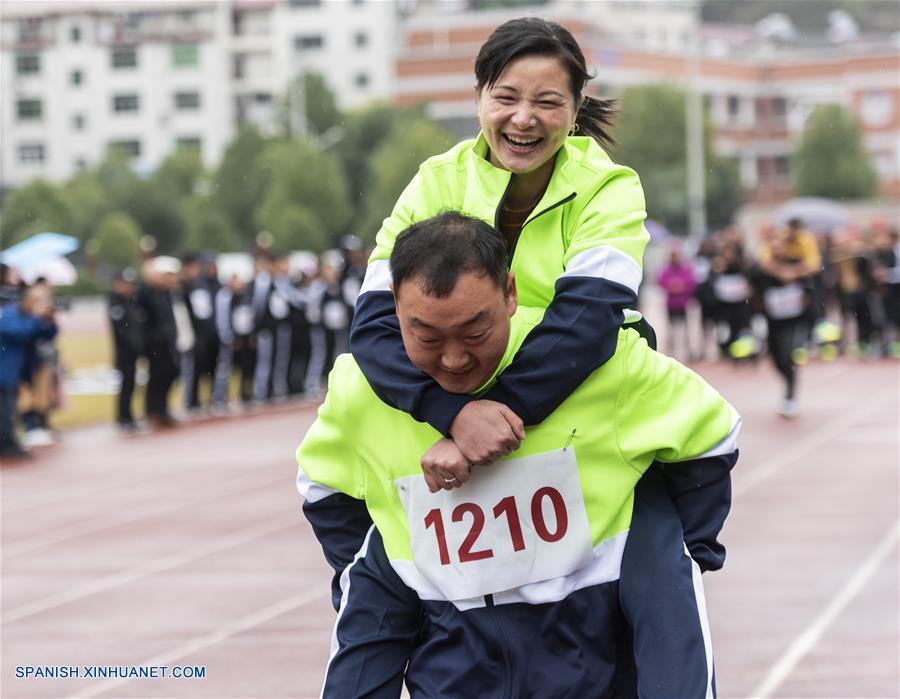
(655, 408)
(578, 256)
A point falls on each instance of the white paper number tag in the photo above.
(731, 288)
(784, 301)
(515, 522)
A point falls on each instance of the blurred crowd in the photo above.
(801, 294)
(234, 340)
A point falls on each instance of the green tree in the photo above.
(309, 93)
(180, 174)
(240, 182)
(150, 202)
(650, 135)
(364, 132)
(88, 201)
(208, 228)
(35, 207)
(831, 160)
(394, 164)
(302, 176)
(116, 242)
(297, 228)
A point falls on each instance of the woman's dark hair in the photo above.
(436, 251)
(530, 36)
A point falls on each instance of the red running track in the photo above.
(187, 548)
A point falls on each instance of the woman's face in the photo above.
(527, 114)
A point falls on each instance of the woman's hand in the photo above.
(445, 467)
(485, 430)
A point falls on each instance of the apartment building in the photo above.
(759, 94)
(149, 77)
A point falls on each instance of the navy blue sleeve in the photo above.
(340, 524)
(701, 491)
(577, 335)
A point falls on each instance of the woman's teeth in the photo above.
(521, 143)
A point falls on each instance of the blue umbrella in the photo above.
(37, 248)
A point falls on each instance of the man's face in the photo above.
(458, 340)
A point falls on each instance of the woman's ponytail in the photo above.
(594, 117)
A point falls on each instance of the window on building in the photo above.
(129, 148)
(304, 3)
(734, 106)
(361, 39)
(76, 77)
(779, 107)
(31, 153)
(30, 29)
(29, 109)
(192, 143)
(124, 57)
(361, 79)
(305, 42)
(126, 103)
(80, 164)
(28, 63)
(358, 2)
(185, 55)
(78, 122)
(187, 100)
(262, 98)
(75, 34)
(877, 108)
(782, 167)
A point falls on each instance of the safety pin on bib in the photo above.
(570, 440)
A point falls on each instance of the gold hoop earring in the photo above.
(574, 130)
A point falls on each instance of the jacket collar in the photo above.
(492, 182)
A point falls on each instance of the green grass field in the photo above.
(84, 351)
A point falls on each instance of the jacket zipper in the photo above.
(515, 244)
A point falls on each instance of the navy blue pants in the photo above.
(647, 634)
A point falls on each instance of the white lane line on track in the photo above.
(807, 640)
(67, 533)
(149, 568)
(811, 442)
(220, 634)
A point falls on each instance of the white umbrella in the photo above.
(818, 215)
(57, 270)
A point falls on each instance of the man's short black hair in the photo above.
(436, 251)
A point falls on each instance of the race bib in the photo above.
(784, 301)
(335, 315)
(242, 319)
(201, 304)
(515, 522)
(278, 306)
(731, 288)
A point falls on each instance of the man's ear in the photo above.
(512, 294)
